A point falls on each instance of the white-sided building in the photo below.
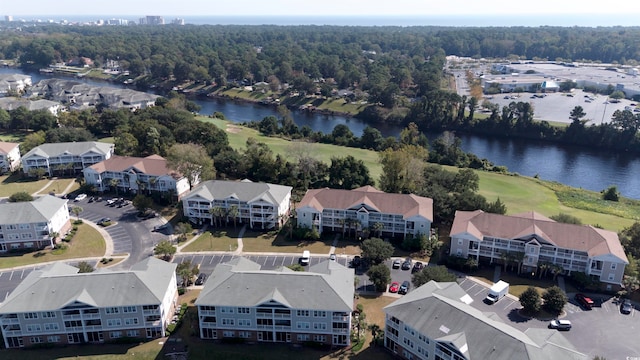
(9, 156)
(14, 82)
(59, 306)
(435, 321)
(333, 209)
(66, 158)
(29, 225)
(539, 240)
(140, 175)
(239, 300)
(260, 205)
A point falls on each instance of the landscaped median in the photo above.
(87, 242)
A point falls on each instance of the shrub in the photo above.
(181, 291)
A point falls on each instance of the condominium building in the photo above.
(396, 214)
(66, 158)
(242, 301)
(260, 205)
(30, 225)
(9, 156)
(435, 321)
(535, 240)
(139, 175)
(57, 305)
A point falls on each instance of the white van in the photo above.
(304, 260)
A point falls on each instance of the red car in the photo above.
(585, 301)
(394, 287)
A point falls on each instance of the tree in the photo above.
(192, 161)
(142, 203)
(380, 276)
(611, 194)
(577, 113)
(76, 210)
(84, 267)
(233, 213)
(113, 184)
(554, 300)
(348, 173)
(376, 250)
(187, 270)
(32, 140)
(20, 196)
(165, 249)
(438, 273)
(630, 239)
(566, 218)
(182, 229)
(530, 300)
(296, 267)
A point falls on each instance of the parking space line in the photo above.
(479, 292)
(293, 260)
(274, 261)
(22, 275)
(283, 259)
(511, 303)
(11, 276)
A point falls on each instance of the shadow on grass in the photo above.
(69, 351)
(17, 178)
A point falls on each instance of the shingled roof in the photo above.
(154, 165)
(407, 205)
(586, 238)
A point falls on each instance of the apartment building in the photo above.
(259, 205)
(57, 305)
(139, 175)
(29, 225)
(435, 321)
(9, 156)
(242, 301)
(66, 158)
(398, 215)
(535, 240)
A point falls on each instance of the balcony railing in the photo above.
(153, 323)
(9, 321)
(340, 331)
(72, 317)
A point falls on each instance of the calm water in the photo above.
(577, 167)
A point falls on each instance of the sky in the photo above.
(50, 9)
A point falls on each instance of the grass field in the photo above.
(87, 243)
(11, 184)
(518, 284)
(213, 241)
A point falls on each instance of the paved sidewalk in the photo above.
(238, 251)
(332, 250)
(42, 188)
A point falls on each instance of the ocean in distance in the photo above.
(532, 20)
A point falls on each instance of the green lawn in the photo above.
(11, 184)
(518, 284)
(87, 243)
(58, 185)
(269, 242)
(213, 241)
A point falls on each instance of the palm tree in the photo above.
(76, 210)
(519, 256)
(113, 183)
(378, 227)
(504, 256)
(343, 223)
(542, 269)
(471, 263)
(234, 212)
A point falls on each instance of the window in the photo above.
(36, 339)
(226, 310)
(53, 339)
(460, 241)
(244, 310)
(112, 310)
(407, 355)
(611, 277)
(228, 334)
(228, 322)
(319, 338)
(114, 322)
(408, 342)
(129, 309)
(613, 266)
(244, 334)
(302, 325)
(48, 314)
(12, 227)
(51, 326)
(33, 327)
(207, 308)
(24, 226)
(133, 333)
(115, 334)
(318, 313)
(131, 321)
(303, 337)
(30, 315)
(244, 322)
(319, 326)
(302, 313)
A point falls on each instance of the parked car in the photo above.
(80, 197)
(111, 202)
(406, 265)
(332, 257)
(585, 301)
(355, 262)
(404, 288)
(560, 325)
(394, 287)
(626, 306)
(92, 199)
(396, 264)
(418, 266)
(201, 279)
(103, 221)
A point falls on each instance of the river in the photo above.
(575, 166)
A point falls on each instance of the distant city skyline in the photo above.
(421, 12)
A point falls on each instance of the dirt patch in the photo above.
(233, 129)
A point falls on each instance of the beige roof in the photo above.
(407, 205)
(523, 226)
(151, 165)
(6, 147)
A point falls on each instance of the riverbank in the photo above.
(519, 193)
